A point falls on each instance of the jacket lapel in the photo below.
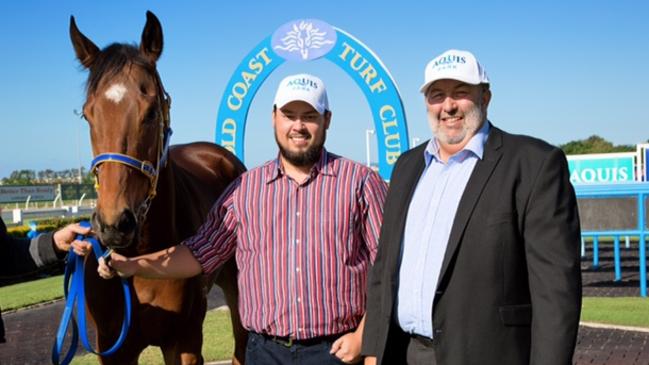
(479, 177)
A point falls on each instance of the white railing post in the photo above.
(367, 146)
(17, 216)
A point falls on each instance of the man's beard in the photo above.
(472, 122)
(301, 159)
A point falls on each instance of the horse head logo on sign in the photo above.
(305, 40)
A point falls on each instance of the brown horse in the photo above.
(128, 112)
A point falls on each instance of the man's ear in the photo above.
(327, 119)
(273, 115)
(486, 97)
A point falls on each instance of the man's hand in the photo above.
(348, 348)
(118, 264)
(176, 262)
(66, 238)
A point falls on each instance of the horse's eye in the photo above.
(84, 113)
(151, 115)
(143, 89)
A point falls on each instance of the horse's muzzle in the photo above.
(121, 234)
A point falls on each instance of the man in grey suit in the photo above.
(478, 259)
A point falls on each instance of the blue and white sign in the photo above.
(305, 40)
(603, 168)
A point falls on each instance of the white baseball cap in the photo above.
(455, 65)
(304, 87)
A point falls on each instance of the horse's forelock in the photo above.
(112, 60)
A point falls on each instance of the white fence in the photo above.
(18, 216)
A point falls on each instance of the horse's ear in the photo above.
(151, 44)
(84, 48)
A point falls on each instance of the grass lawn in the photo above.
(621, 311)
(217, 342)
(30, 293)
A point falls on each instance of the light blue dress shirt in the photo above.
(428, 226)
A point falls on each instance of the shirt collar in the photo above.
(475, 144)
(324, 166)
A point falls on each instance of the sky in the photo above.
(559, 70)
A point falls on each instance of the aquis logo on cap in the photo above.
(455, 65)
(302, 83)
(449, 60)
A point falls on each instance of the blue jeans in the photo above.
(261, 350)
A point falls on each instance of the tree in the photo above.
(48, 176)
(593, 144)
(20, 177)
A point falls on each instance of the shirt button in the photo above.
(297, 240)
(297, 269)
(298, 214)
(298, 300)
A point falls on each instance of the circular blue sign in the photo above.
(303, 40)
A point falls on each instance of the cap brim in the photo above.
(284, 102)
(425, 86)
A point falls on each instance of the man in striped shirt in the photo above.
(304, 228)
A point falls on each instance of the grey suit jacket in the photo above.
(509, 290)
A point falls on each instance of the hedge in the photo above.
(44, 225)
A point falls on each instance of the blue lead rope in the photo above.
(76, 292)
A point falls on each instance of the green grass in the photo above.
(621, 311)
(30, 293)
(217, 344)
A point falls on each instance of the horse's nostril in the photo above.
(126, 222)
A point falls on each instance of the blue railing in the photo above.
(637, 191)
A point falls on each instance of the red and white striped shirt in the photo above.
(302, 250)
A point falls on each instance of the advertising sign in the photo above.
(605, 168)
(9, 194)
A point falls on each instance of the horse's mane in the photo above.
(112, 60)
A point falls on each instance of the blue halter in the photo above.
(144, 167)
(75, 293)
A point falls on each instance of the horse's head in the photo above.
(128, 112)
